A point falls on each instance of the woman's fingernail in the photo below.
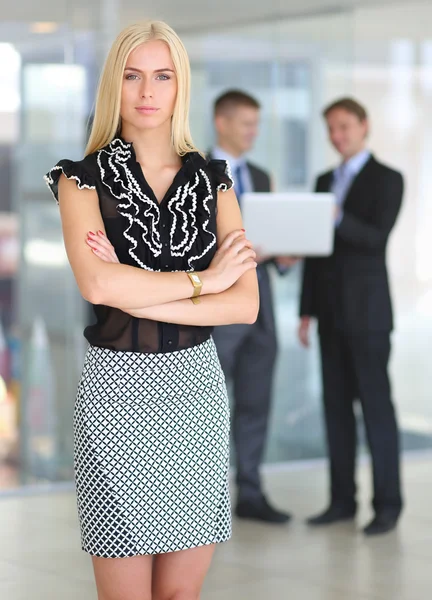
(100, 232)
(243, 229)
(91, 233)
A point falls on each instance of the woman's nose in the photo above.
(146, 89)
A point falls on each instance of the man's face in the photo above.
(238, 128)
(347, 132)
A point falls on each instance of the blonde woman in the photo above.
(154, 236)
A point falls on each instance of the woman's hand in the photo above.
(102, 247)
(234, 258)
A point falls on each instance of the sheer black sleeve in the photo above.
(71, 170)
(221, 174)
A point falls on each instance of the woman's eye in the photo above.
(163, 77)
(131, 77)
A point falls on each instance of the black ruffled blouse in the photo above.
(179, 234)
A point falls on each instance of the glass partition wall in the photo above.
(48, 80)
(293, 68)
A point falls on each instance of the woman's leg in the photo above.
(123, 578)
(180, 575)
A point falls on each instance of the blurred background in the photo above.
(294, 56)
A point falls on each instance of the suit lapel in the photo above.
(325, 182)
(358, 182)
(252, 175)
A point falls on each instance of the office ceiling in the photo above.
(186, 15)
(200, 16)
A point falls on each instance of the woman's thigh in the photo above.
(123, 578)
(181, 574)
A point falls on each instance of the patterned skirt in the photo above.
(152, 451)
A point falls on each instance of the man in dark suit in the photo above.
(248, 352)
(348, 293)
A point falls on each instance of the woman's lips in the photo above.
(147, 110)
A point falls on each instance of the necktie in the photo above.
(342, 184)
(238, 178)
(240, 190)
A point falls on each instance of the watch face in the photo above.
(196, 278)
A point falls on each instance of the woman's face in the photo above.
(149, 88)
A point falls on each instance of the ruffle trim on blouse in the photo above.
(71, 170)
(222, 174)
(189, 206)
(191, 203)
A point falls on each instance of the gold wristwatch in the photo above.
(197, 285)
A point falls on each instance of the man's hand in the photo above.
(283, 261)
(303, 331)
(287, 261)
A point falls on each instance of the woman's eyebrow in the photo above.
(155, 71)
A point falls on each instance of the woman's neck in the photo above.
(152, 146)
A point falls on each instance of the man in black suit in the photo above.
(248, 352)
(348, 293)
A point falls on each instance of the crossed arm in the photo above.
(181, 311)
(230, 289)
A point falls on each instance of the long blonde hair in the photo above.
(107, 121)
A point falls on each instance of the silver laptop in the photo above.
(296, 224)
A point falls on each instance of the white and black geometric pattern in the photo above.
(152, 451)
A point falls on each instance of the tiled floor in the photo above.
(40, 557)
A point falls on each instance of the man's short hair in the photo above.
(234, 99)
(348, 104)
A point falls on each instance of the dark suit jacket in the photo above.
(260, 179)
(349, 290)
